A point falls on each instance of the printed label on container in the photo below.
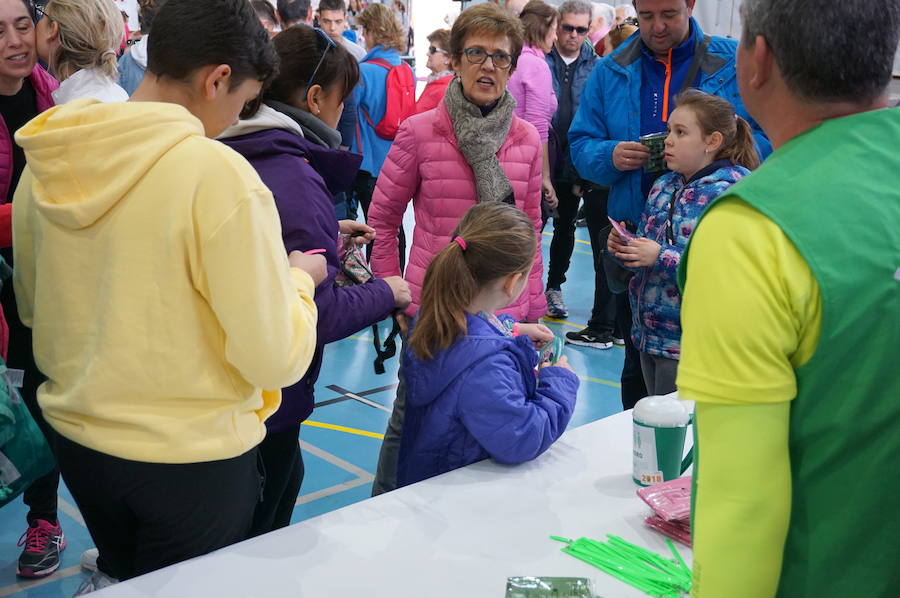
(645, 467)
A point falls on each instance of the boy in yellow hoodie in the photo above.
(150, 266)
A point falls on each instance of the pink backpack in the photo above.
(401, 99)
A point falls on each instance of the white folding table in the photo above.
(457, 535)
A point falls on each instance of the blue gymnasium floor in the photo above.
(341, 441)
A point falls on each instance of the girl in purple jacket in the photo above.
(292, 143)
(708, 149)
(472, 387)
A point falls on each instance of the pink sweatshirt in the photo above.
(532, 86)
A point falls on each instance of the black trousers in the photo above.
(633, 387)
(41, 495)
(563, 244)
(361, 195)
(283, 468)
(146, 516)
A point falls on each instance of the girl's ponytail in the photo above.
(448, 289)
(743, 151)
(493, 240)
(90, 32)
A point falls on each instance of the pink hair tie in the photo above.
(461, 242)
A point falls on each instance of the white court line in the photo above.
(356, 397)
(363, 477)
(336, 461)
(325, 492)
(27, 585)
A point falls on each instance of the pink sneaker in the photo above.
(43, 541)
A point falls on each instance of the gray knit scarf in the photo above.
(479, 138)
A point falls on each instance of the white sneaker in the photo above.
(89, 559)
(97, 581)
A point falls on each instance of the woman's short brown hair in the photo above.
(486, 19)
(440, 38)
(537, 19)
(382, 27)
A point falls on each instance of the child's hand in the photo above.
(615, 243)
(639, 253)
(539, 334)
(362, 233)
(563, 362)
(404, 321)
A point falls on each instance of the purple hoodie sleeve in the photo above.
(308, 222)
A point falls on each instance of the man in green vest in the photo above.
(791, 318)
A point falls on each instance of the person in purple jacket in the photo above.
(473, 389)
(292, 143)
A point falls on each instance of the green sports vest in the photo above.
(835, 192)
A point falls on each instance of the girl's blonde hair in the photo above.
(382, 27)
(90, 33)
(717, 114)
(497, 240)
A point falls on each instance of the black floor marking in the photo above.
(343, 392)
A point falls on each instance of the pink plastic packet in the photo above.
(625, 234)
(670, 500)
(680, 531)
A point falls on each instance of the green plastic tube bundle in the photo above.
(638, 567)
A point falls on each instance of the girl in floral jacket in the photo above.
(708, 150)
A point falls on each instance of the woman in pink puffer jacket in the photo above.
(471, 149)
(431, 163)
(425, 165)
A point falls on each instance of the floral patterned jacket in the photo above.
(669, 218)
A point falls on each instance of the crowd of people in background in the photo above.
(170, 303)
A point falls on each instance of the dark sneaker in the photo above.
(555, 306)
(43, 542)
(590, 338)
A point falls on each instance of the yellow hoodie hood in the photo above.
(86, 155)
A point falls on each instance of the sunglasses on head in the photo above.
(573, 29)
(35, 11)
(323, 44)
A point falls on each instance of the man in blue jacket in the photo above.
(632, 93)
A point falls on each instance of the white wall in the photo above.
(131, 7)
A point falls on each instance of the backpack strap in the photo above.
(700, 52)
(390, 345)
(381, 62)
